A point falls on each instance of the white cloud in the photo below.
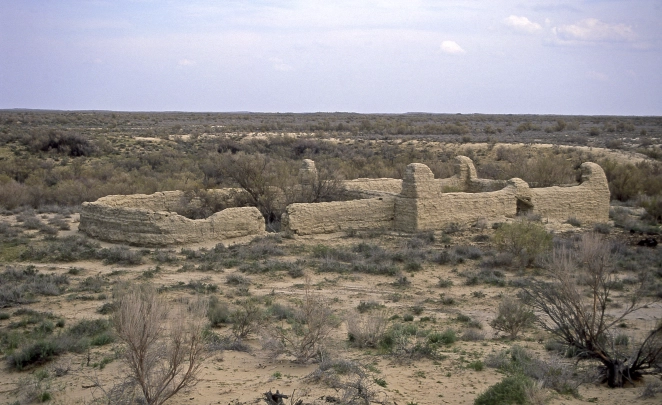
(451, 47)
(597, 76)
(279, 65)
(185, 63)
(594, 30)
(522, 24)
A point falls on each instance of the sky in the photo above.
(585, 57)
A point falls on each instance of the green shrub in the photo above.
(510, 390)
(444, 283)
(463, 318)
(237, 279)
(653, 206)
(87, 327)
(68, 249)
(524, 239)
(447, 337)
(476, 365)
(218, 312)
(602, 228)
(37, 353)
(380, 381)
(104, 338)
(120, 255)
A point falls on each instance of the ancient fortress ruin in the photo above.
(418, 202)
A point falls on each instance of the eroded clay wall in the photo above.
(423, 206)
(393, 186)
(419, 214)
(145, 227)
(587, 202)
(373, 213)
(163, 200)
(417, 202)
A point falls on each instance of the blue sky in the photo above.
(495, 56)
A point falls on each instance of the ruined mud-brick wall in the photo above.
(465, 179)
(588, 202)
(373, 213)
(383, 205)
(150, 220)
(167, 200)
(423, 205)
(367, 188)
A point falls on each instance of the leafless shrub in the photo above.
(574, 306)
(123, 391)
(535, 394)
(365, 330)
(304, 337)
(246, 319)
(164, 348)
(34, 388)
(512, 317)
(61, 368)
(350, 379)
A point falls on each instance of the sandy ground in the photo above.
(231, 377)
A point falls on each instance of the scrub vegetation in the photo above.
(512, 312)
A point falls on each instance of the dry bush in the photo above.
(535, 394)
(575, 308)
(272, 183)
(307, 331)
(366, 330)
(350, 380)
(513, 316)
(246, 319)
(164, 348)
(263, 178)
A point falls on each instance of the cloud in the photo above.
(185, 63)
(594, 30)
(279, 65)
(522, 24)
(451, 47)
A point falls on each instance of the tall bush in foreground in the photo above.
(164, 348)
(574, 307)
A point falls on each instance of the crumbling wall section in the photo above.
(118, 222)
(415, 203)
(422, 205)
(588, 202)
(373, 213)
(371, 187)
(166, 200)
